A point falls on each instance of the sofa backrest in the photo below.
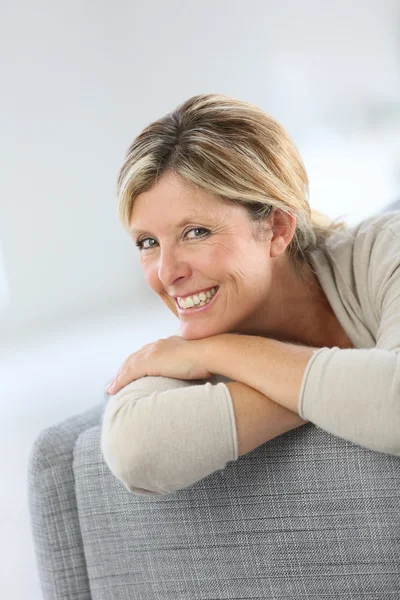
(306, 515)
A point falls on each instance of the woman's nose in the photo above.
(172, 265)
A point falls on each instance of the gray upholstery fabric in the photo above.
(305, 516)
(53, 513)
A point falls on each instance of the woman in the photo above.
(287, 319)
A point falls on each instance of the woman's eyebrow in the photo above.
(137, 231)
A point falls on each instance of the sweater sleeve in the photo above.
(355, 393)
(161, 434)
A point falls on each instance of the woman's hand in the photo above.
(167, 357)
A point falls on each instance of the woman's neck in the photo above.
(298, 310)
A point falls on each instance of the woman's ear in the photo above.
(283, 226)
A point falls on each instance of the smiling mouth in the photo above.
(201, 306)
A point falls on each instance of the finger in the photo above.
(116, 383)
(110, 389)
(126, 374)
(120, 380)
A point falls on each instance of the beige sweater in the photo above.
(161, 434)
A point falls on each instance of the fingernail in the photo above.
(110, 386)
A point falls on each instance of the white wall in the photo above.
(81, 79)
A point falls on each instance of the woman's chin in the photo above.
(194, 335)
(197, 331)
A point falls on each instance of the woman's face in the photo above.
(192, 241)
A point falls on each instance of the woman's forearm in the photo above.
(259, 419)
(274, 368)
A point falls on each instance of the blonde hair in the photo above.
(232, 149)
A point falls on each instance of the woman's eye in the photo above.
(141, 243)
(198, 229)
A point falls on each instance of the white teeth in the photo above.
(187, 303)
(198, 299)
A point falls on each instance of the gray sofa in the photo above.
(304, 516)
(307, 515)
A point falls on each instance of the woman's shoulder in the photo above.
(365, 257)
(374, 233)
(384, 222)
(359, 261)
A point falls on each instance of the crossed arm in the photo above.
(160, 434)
(258, 418)
(351, 393)
(261, 369)
(157, 438)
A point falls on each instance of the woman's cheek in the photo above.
(151, 277)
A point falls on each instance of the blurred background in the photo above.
(79, 80)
